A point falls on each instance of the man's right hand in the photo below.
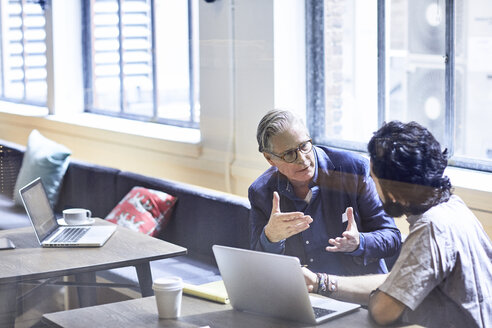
(311, 280)
(283, 225)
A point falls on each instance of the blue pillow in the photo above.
(46, 159)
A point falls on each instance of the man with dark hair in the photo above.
(297, 205)
(443, 276)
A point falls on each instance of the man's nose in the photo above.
(301, 157)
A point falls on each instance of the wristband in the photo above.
(326, 284)
(322, 279)
(332, 284)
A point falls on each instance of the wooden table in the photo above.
(29, 261)
(194, 313)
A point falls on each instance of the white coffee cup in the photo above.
(168, 293)
(76, 216)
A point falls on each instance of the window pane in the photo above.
(2, 91)
(24, 53)
(350, 47)
(416, 79)
(137, 57)
(173, 77)
(473, 65)
(106, 97)
(106, 67)
(123, 79)
(131, 65)
(414, 73)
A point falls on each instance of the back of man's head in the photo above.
(409, 163)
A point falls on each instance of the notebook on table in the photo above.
(46, 227)
(274, 285)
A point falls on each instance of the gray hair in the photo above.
(273, 123)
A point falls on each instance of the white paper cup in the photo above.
(76, 215)
(168, 293)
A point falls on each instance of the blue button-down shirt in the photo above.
(341, 180)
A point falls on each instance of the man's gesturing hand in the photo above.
(350, 240)
(283, 225)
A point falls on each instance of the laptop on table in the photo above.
(273, 285)
(46, 227)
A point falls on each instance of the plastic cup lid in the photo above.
(167, 283)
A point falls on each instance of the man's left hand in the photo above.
(349, 241)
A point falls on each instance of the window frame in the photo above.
(315, 113)
(193, 74)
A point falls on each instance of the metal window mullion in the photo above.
(191, 62)
(381, 62)
(449, 77)
(2, 53)
(155, 81)
(89, 52)
(23, 40)
(121, 63)
(315, 70)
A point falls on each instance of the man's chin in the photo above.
(302, 175)
(305, 176)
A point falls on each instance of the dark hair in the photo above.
(409, 164)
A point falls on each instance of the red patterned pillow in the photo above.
(144, 210)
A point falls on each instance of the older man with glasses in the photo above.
(299, 206)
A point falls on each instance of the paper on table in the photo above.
(214, 291)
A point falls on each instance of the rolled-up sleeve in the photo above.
(258, 218)
(268, 246)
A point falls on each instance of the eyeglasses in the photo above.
(290, 156)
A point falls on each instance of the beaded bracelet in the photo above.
(322, 282)
(332, 284)
(326, 284)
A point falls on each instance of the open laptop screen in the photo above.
(39, 209)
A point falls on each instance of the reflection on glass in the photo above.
(474, 89)
(350, 69)
(416, 79)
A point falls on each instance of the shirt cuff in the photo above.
(270, 247)
(362, 246)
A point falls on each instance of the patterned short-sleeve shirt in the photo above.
(444, 272)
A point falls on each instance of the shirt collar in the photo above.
(314, 181)
(412, 219)
(323, 161)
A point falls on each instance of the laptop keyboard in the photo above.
(319, 312)
(70, 235)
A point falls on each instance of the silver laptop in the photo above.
(46, 227)
(272, 284)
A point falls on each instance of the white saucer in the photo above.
(88, 222)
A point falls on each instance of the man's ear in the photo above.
(394, 200)
(268, 157)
